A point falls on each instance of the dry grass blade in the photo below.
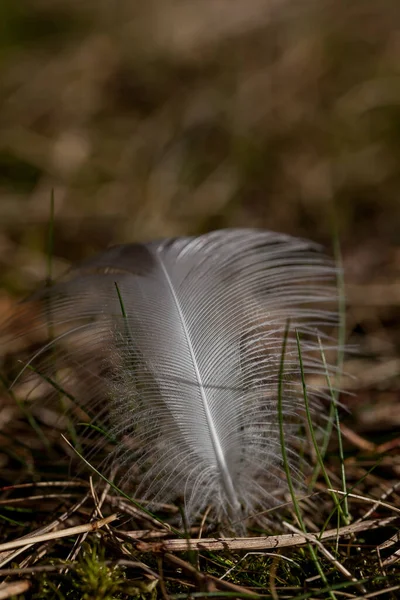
(45, 484)
(365, 499)
(8, 502)
(378, 593)
(395, 557)
(96, 512)
(94, 526)
(383, 497)
(14, 588)
(6, 557)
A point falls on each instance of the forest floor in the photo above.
(150, 121)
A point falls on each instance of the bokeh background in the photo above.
(168, 117)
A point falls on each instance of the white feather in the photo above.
(190, 360)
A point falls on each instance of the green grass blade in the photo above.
(286, 460)
(341, 345)
(312, 433)
(346, 515)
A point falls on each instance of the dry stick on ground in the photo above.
(255, 543)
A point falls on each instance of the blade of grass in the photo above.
(285, 460)
(341, 344)
(49, 283)
(11, 521)
(100, 430)
(349, 490)
(346, 515)
(312, 433)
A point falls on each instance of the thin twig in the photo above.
(255, 543)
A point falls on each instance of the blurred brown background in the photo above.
(169, 117)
